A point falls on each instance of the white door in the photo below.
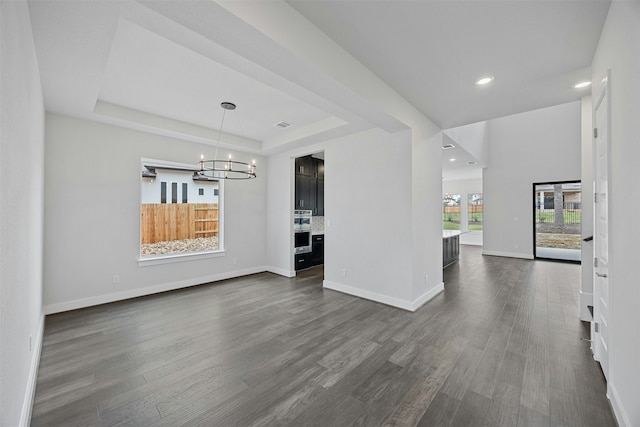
(601, 309)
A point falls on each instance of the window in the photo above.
(178, 225)
(475, 211)
(163, 192)
(451, 212)
(174, 192)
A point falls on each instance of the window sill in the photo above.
(168, 259)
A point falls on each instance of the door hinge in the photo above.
(596, 327)
(595, 197)
(595, 262)
(595, 132)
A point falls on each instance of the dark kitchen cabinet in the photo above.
(313, 258)
(450, 249)
(309, 185)
(306, 193)
(317, 254)
(305, 166)
(319, 198)
(318, 168)
(303, 261)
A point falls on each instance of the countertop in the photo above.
(450, 233)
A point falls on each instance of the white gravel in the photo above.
(200, 244)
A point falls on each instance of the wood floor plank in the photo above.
(441, 411)
(463, 371)
(374, 387)
(535, 386)
(472, 410)
(500, 346)
(531, 418)
(504, 407)
(418, 398)
(511, 370)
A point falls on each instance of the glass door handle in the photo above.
(603, 275)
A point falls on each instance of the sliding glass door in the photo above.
(557, 220)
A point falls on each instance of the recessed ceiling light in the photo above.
(283, 125)
(484, 81)
(448, 146)
(581, 85)
(452, 159)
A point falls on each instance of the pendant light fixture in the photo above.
(225, 169)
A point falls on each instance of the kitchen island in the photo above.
(450, 247)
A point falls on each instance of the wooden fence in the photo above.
(178, 221)
(456, 209)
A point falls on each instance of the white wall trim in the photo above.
(167, 259)
(428, 296)
(618, 411)
(384, 299)
(373, 296)
(507, 254)
(149, 290)
(281, 271)
(586, 299)
(30, 392)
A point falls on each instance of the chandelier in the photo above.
(225, 169)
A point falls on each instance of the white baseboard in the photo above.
(618, 411)
(139, 292)
(428, 296)
(507, 254)
(384, 299)
(281, 271)
(586, 299)
(30, 392)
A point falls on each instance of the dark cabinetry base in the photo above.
(450, 250)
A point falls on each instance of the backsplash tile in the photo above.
(317, 225)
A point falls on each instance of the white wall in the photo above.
(618, 50)
(537, 146)
(21, 213)
(473, 138)
(92, 223)
(426, 218)
(586, 285)
(462, 186)
(367, 216)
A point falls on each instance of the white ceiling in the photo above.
(132, 63)
(432, 52)
(150, 73)
(458, 168)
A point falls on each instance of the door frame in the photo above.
(535, 246)
(601, 343)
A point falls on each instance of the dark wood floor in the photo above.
(500, 347)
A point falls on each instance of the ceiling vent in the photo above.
(283, 125)
(448, 146)
(472, 163)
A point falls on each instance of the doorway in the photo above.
(602, 310)
(557, 220)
